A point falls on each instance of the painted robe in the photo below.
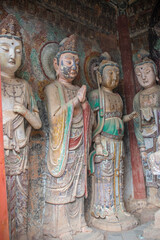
(147, 128)
(16, 152)
(108, 167)
(66, 182)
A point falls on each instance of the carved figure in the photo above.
(147, 104)
(153, 230)
(19, 109)
(106, 161)
(69, 118)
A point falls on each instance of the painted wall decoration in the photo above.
(40, 32)
(154, 36)
(91, 62)
(44, 24)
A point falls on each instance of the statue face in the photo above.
(68, 66)
(145, 75)
(10, 54)
(110, 77)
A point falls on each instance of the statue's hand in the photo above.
(134, 115)
(19, 108)
(81, 94)
(127, 118)
(143, 154)
(99, 149)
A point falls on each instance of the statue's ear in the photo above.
(55, 64)
(157, 79)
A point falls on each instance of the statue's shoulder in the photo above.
(52, 94)
(22, 81)
(136, 97)
(26, 84)
(93, 94)
(51, 88)
(93, 99)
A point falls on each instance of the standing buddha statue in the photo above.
(106, 160)
(69, 116)
(20, 114)
(147, 126)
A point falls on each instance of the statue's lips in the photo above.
(12, 61)
(73, 73)
(145, 81)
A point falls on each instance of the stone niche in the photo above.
(48, 22)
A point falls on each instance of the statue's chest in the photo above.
(69, 94)
(12, 94)
(149, 100)
(113, 102)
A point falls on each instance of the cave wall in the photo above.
(42, 24)
(96, 26)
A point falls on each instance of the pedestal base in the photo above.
(121, 222)
(95, 235)
(152, 233)
(146, 214)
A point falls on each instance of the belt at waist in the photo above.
(112, 114)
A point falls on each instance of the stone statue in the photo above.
(147, 125)
(66, 179)
(153, 230)
(106, 160)
(154, 160)
(20, 113)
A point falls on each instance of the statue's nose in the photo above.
(143, 76)
(74, 65)
(12, 53)
(114, 76)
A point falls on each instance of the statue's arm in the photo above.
(53, 102)
(128, 117)
(137, 124)
(30, 113)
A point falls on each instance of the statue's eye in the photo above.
(138, 74)
(18, 51)
(5, 49)
(69, 62)
(147, 71)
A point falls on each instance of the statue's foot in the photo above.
(66, 236)
(86, 229)
(123, 215)
(126, 220)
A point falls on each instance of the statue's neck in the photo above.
(7, 76)
(150, 88)
(107, 89)
(65, 83)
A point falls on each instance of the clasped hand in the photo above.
(81, 94)
(19, 108)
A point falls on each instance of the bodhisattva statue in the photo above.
(153, 230)
(20, 113)
(69, 118)
(106, 161)
(147, 125)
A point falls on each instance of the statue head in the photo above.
(145, 70)
(109, 71)
(66, 62)
(10, 45)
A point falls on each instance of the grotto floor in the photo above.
(134, 234)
